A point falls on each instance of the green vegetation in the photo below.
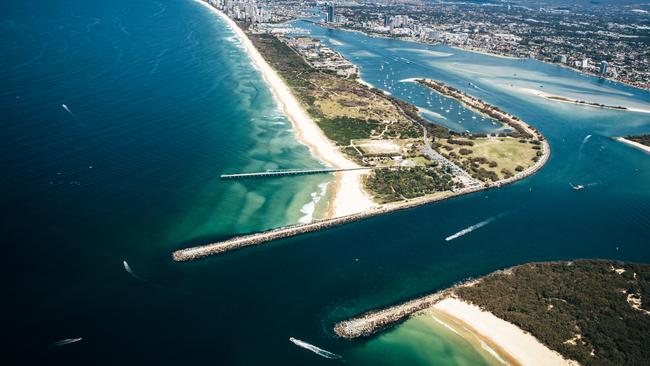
(348, 111)
(343, 108)
(490, 159)
(642, 139)
(587, 310)
(343, 129)
(391, 185)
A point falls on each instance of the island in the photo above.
(641, 142)
(587, 311)
(349, 125)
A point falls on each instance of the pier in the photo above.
(288, 172)
(239, 242)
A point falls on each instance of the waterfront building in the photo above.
(603, 67)
(330, 13)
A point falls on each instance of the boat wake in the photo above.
(66, 341)
(319, 351)
(479, 225)
(584, 141)
(69, 112)
(130, 271)
(477, 87)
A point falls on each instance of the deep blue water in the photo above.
(163, 100)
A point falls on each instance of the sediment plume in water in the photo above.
(468, 230)
(319, 351)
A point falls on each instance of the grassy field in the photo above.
(375, 147)
(499, 156)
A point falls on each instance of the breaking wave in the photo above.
(444, 324)
(492, 352)
(309, 208)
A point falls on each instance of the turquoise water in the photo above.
(163, 100)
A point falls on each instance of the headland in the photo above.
(554, 313)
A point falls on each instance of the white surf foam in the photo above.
(309, 208)
(492, 352)
(319, 351)
(469, 229)
(445, 324)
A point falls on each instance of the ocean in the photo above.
(161, 99)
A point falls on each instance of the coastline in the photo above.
(346, 195)
(352, 183)
(562, 99)
(347, 198)
(498, 55)
(633, 144)
(506, 339)
(238, 242)
(521, 346)
(486, 53)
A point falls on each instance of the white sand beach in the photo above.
(555, 98)
(634, 144)
(519, 345)
(347, 195)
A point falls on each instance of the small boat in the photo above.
(577, 187)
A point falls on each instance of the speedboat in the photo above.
(577, 187)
